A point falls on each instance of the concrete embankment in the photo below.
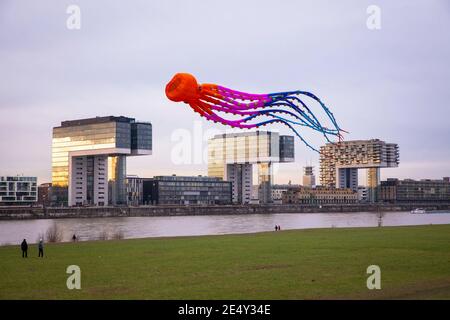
(17, 213)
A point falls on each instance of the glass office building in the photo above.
(409, 190)
(18, 190)
(231, 156)
(89, 159)
(175, 190)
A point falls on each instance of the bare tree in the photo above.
(54, 234)
(118, 235)
(40, 236)
(103, 235)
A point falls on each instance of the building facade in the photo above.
(408, 190)
(309, 179)
(177, 190)
(18, 190)
(339, 163)
(135, 190)
(320, 195)
(363, 194)
(279, 189)
(231, 157)
(89, 159)
(44, 190)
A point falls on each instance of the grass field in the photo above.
(300, 264)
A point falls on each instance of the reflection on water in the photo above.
(13, 232)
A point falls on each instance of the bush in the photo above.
(118, 235)
(103, 235)
(54, 234)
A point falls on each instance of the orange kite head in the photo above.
(183, 87)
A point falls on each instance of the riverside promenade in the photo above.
(18, 213)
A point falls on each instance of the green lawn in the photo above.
(300, 264)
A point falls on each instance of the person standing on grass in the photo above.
(24, 247)
(41, 248)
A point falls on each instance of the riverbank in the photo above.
(11, 213)
(295, 264)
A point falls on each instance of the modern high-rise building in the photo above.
(309, 179)
(339, 163)
(18, 190)
(231, 157)
(89, 158)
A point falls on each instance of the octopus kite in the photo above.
(288, 108)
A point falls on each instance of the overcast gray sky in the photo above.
(391, 83)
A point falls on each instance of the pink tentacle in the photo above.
(237, 112)
(248, 96)
(231, 103)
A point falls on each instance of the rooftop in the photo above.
(247, 133)
(17, 178)
(79, 122)
(186, 178)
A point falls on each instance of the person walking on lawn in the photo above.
(41, 248)
(24, 247)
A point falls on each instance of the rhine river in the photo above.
(13, 232)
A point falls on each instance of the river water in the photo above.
(13, 232)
